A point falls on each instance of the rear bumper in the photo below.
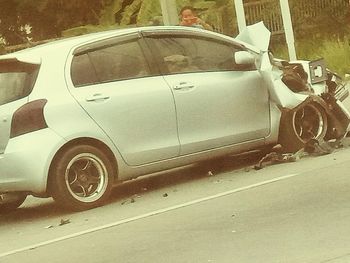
(25, 163)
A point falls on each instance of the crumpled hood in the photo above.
(256, 35)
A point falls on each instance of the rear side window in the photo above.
(16, 80)
(111, 63)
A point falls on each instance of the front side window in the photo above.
(117, 62)
(195, 54)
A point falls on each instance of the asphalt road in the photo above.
(294, 212)
(222, 212)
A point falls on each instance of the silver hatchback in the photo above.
(80, 115)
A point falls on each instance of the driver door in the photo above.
(218, 103)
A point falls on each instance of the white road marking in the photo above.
(153, 213)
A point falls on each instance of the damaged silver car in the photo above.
(83, 114)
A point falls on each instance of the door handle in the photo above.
(97, 97)
(183, 86)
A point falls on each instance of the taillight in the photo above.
(28, 118)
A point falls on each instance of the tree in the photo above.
(45, 18)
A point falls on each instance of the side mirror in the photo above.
(244, 58)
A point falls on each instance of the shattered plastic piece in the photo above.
(64, 222)
(278, 157)
(316, 147)
(131, 200)
(47, 227)
(270, 157)
(257, 35)
(210, 173)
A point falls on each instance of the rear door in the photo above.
(17, 80)
(113, 82)
(218, 102)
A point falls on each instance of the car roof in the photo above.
(66, 44)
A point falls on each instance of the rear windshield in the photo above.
(16, 80)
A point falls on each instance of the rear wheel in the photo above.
(81, 178)
(11, 201)
(300, 126)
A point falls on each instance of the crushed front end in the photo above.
(321, 115)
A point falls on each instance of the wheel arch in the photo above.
(82, 141)
(287, 135)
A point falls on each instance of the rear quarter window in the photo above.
(17, 80)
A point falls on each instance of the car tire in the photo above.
(297, 127)
(13, 202)
(81, 178)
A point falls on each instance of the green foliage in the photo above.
(46, 18)
(337, 55)
(319, 18)
(150, 13)
(2, 49)
(336, 52)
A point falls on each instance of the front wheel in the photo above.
(11, 201)
(81, 178)
(299, 126)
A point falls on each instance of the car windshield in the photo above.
(16, 80)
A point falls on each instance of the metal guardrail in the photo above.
(269, 12)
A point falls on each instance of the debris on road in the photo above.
(131, 200)
(210, 173)
(64, 222)
(313, 148)
(165, 195)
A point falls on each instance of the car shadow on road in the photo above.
(36, 209)
(176, 177)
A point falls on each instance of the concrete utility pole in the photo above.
(169, 12)
(288, 29)
(170, 17)
(240, 15)
(287, 24)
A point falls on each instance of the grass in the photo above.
(336, 52)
